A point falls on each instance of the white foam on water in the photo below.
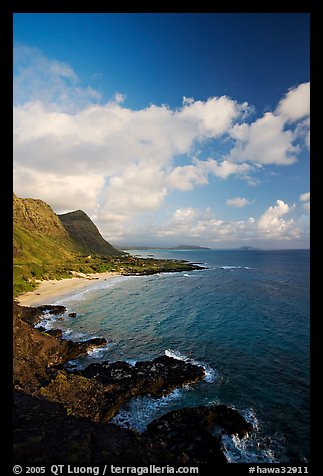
(91, 286)
(49, 321)
(140, 411)
(228, 267)
(99, 352)
(210, 373)
(250, 416)
(247, 450)
(253, 448)
(72, 297)
(70, 334)
(132, 362)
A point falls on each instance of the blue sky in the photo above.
(167, 128)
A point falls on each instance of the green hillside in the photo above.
(43, 248)
(84, 232)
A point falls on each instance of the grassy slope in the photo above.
(42, 246)
(82, 230)
(43, 249)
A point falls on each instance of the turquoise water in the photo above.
(245, 318)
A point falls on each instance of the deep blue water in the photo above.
(245, 317)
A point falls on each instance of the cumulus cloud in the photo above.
(272, 225)
(187, 177)
(71, 150)
(210, 118)
(204, 225)
(267, 140)
(296, 104)
(132, 150)
(306, 197)
(264, 142)
(238, 202)
(63, 192)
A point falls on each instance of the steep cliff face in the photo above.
(47, 247)
(84, 232)
(36, 216)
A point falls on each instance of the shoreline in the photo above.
(50, 290)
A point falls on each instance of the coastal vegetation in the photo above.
(49, 246)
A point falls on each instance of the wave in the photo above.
(140, 411)
(70, 334)
(49, 321)
(91, 286)
(210, 373)
(229, 267)
(253, 448)
(132, 362)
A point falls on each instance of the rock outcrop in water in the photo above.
(193, 435)
(63, 415)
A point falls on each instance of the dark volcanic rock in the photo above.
(52, 332)
(194, 434)
(107, 373)
(56, 310)
(157, 378)
(44, 433)
(164, 373)
(62, 417)
(33, 315)
(74, 350)
(37, 354)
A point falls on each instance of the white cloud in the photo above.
(225, 168)
(187, 177)
(304, 197)
(132, 150)
(52, 82)
(202, 224)
(307, 207)
(264, 142)
(63, 70)
(308, 139)
(238, 202)
(119, 98)
(73, 152)
(210, 118)
(63, 192)
(139, 188)
(272, 225)
(296, 104)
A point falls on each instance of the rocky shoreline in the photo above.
(63, 415)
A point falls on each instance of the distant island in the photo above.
(248, 248)
(189, 247)
(178, 247)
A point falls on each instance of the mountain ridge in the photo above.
(85, 233)
(44, 249)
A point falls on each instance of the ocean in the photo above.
(245, 318)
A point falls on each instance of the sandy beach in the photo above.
(51, 290)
